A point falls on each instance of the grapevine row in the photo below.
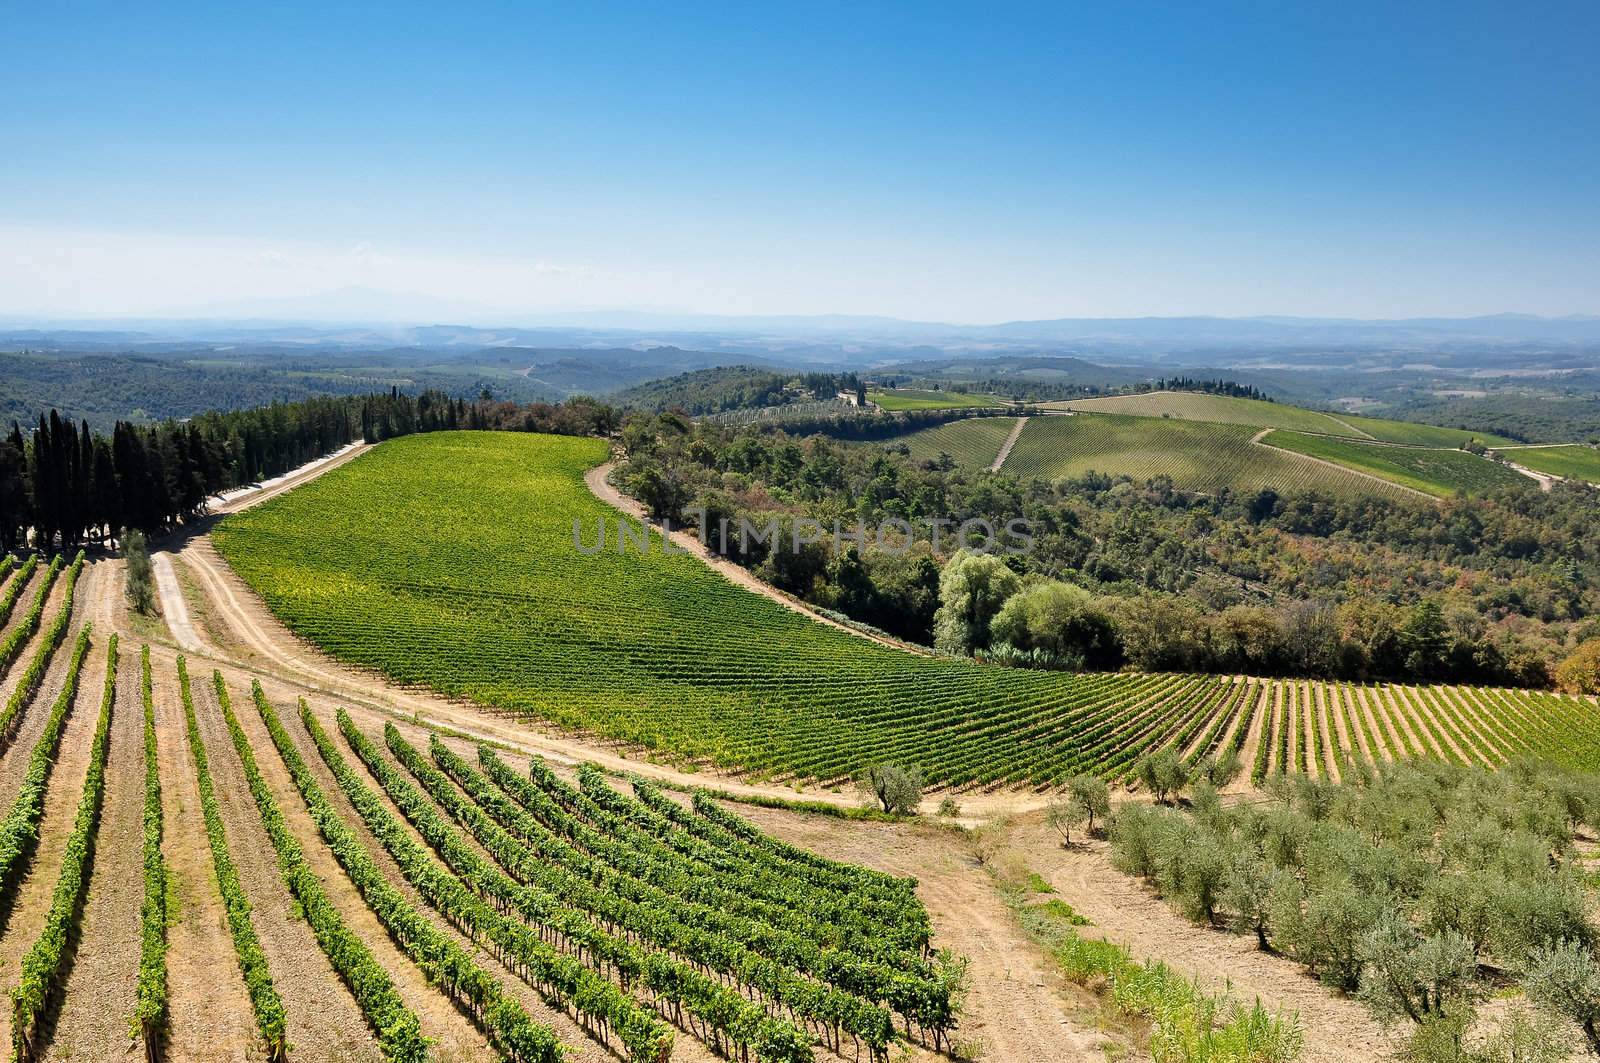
(151, 1005)
(397, 1027)
(17, 703)
(724, 1012)
(41, 966)
(264, 1000)
(19, 831)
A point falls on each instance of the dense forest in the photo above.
(64, 485)
(1496, 590)
(736, 387)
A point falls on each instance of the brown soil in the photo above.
(210, 1009)
(98, 997)
(1337, 1029)
(321, 1013)
(65, 787)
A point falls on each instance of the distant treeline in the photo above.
(64, 485)
(1231, 388)
(736, 387)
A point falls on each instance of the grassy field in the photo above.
(1197, 455)
(1217, 409)
(1438, 472)
(1422, 435)
(1575, 462)
(916, 399)
(447, 560)
(1225, 409)
(973, 442)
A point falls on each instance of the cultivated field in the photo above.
(311, 885)
(218, 845)
(1574, 461)
(1226, 409)
(447, 561)
(918, 399)
(1216, 409)
(974, 442)
(1438, 472)
(1196, 455)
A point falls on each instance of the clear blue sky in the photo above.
(953, 162)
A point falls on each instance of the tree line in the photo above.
(1503, 589)
(63, 485)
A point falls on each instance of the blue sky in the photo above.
(951, 162)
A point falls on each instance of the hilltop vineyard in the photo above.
(448, 562)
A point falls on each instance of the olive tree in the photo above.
(1164, 774)
(1091, 794)
(1063, 814)
(1566, 979)
(894, 788)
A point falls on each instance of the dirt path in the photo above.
(100, 989)
(173, 608)
(210, 1008)
(245, 497)
(1337, 1029)
(601, 488)
(1005, 448)
(1547, 481)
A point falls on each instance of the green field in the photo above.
(917, 399)
(1197, 455)
(1218, 409)
(1576, 462)
(974, 442)
(1225, 409)
(1421, 435)
(1437, 472)
(447, 561)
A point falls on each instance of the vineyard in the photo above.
(974, 442)
(1196, 455)
(917, 399)
(447, 562)
(1573, 461)
(1438, 472)
(1227, 409)
(521, 913)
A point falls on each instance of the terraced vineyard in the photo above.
(974, 442)
(1573, 461)
(1196, 455)
(447, 561)
(1438, 472)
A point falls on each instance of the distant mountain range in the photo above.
(356, 317)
